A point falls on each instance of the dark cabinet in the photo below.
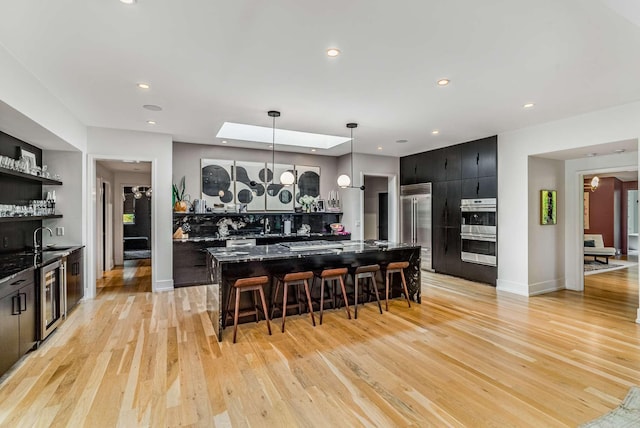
(479, 158)
(190, 262)
(484, 187)
(446, 163)
(75, 278)
(424, 168)
(446, 203)
(408, 170)
(17, 319)
(446, 250)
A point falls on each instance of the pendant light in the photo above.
(344, 181)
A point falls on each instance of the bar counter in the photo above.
(225, 265)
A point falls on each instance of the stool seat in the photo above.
(390, 269)
(240, 285)
(333, 276)
(251, 282)
(367, 272)
(293, 279)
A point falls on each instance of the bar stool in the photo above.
(254, 284)
(391, 268)
(293, 279)
(365, 273)
(333, 276)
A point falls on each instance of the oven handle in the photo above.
(476, 237)
(479, 209)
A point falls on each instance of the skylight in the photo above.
(262, 134)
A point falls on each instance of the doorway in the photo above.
(376, 208)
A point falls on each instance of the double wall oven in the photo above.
(478, 231)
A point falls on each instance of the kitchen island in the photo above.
(225, 265)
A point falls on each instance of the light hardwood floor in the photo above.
(465, 357)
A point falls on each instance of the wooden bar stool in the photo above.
(294, 279)
(365, 273)
(333, 276)
(253, 284)
(391, 268)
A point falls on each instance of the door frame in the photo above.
(394, 191)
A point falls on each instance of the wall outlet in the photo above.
(60, 231)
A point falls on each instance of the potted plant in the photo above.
(179, 204)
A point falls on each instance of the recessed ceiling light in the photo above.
(528, 105)
(402, 141)
(151, 122)
(619, 150)
(379, 147)
(224, 142)
(591, 155)
(313, 150)
(143, 85)
(435, 132)
(263, 134)
(443, 82)
(128, 1)
(152, 107)
(332, 52)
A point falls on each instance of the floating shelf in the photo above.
(29, 177)
(28, 218)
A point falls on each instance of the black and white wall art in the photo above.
(253, 195)
(279, 196)
(308, 181)
(217, 181)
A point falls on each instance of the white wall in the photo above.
(23, 92)
(186, 162)
(546, 243)
(122, 179)
(106, 143)
(514, 148)
(70, 197)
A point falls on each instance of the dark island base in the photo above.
(232, 271)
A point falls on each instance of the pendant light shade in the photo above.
(344, 180)
(287, 178)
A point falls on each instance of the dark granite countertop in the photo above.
(13, 264)
(281, 251)
(250, 236)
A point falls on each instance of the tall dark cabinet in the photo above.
(462, 171)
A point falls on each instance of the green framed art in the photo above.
(548, 204)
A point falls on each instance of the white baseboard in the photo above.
(546, 287)
(512, 287)
(638, 316)
(163, 285)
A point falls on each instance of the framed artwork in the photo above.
(30, 157)
(217, 181)
(279, 196)
(245, 173)
(586, 210)
(548, 204)
(308, 181)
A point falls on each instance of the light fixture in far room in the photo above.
(333, 52)
(595, 182)
(344, 180)
(151, 122)
(128, 1)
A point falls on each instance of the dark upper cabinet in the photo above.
(424, 168)
(446, 163)
(479, 158)
(484, 187)
(408, 167)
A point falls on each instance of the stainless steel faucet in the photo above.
(37, 247)
(267, 227)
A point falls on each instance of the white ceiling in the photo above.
(120, 166)
(214, 61)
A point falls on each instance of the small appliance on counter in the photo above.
(199, 206)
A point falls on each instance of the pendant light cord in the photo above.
(273, 152)
(352, 177)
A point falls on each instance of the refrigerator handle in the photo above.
(414, 221)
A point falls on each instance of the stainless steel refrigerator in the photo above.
(415, 218)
